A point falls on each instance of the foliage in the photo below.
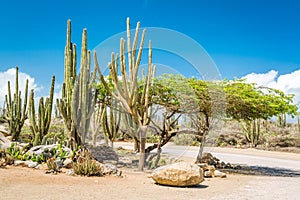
(5, 158)
(247, 103)
(153, 138)
(15, 151)
(186, 140)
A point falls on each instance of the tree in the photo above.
(201, 101)
(248, 104)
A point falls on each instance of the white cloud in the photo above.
(288, 83)
(10, 75)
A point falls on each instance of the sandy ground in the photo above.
(25, 183)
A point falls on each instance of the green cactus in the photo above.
(111, 122)
(78, 97)
(133, 102)
(40, 128)
(15, 113)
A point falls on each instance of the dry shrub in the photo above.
(85, 165)
(52, 165)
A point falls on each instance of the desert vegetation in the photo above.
(122, 105)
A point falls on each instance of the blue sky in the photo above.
(241, 36)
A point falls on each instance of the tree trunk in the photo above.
(143, 132)
(136, 147)
(200, 152)
(158, 155)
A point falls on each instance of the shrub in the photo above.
(153, 138)
(5, 158)
(185, 139)
(85, 165)
(52, 165)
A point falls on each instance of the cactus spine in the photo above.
(41, 127)
(78, 98)
(15, 113)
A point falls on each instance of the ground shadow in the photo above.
(199, 186)
(264, 171)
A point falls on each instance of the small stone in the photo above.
(70, 172)
(68, 163)
(20, 163)
(31, 164)
(220, 174)
(109, 169)
(39, 166)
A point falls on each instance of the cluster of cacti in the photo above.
(252, 131)
(78, 97)
(135, 103)
(16, 113)
(111, 121)
(40, 127)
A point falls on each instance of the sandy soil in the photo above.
(25, 183)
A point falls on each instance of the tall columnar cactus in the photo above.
(111, 122)
(77, 102)
(15, 113)
(41, 127)
(65, 103)
(84, 95)
(133, 101)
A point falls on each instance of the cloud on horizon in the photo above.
(9, 75)
(288, 83)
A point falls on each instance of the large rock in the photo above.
(178, 174)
